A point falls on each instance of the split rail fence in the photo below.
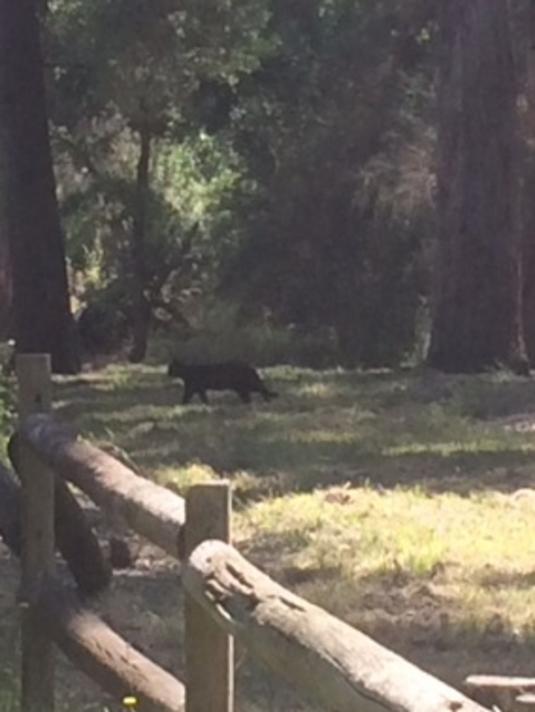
(331, 663)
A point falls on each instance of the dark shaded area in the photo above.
(42, 319)
(74, 536)
(102, 328)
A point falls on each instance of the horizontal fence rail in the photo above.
(332, 663)
(339, 668)
(103, 655)
(149, 509)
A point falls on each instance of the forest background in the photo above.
(308, 185)
(287, 180)
(254, 174)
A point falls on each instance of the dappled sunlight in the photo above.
(318, 390)
(400, 502)
(317, 436)
(179, 479)
(473, 557)
(345, 426)
(448, 449)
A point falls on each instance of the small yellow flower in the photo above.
(130, 702)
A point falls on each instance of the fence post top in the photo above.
(33, 357)
(35, 383)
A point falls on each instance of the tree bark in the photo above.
(42, 316)
(142, 307)
(478, 304)
(529, 186)
(5, 264)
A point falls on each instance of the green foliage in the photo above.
(220, 334)
(338, 210)
(291, 169)
(121, 78)
(7, 394)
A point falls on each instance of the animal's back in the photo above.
(228, 375)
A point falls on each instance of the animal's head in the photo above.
(176, 369)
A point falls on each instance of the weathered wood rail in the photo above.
(331, 663)
(149, 509)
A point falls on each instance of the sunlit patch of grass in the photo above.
(390, 499)
(346, 529)
(180, 479)
(325, 426)
(478, 445)
(317, 390)
(477, 551)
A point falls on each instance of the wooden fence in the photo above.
(329, 662)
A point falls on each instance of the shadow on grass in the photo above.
(383, 428)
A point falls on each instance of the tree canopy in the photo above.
(270, 165)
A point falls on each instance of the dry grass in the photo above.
(401, 501)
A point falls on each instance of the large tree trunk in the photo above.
(43, 321)
(478, 314)
(5, 286)
(5, 269)
(142, 309)
(5, 264)
(528, 19)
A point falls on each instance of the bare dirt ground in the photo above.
(145, 605)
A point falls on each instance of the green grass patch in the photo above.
(401, 502)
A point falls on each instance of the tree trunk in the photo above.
(5, 269)
(529, 186)
(142, 308)
(478, 305)
(43, 321)
(5, 263)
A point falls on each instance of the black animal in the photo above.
(228, 376)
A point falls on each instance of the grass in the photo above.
(9, 696)
(400, 502)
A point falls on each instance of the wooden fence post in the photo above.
(209, 650)
(37, 516)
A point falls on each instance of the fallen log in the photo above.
(149, 509)
(74, 536)
(335, 665)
